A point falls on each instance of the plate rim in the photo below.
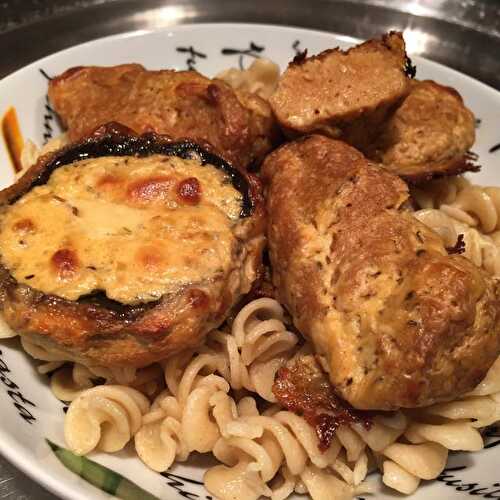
(191, 26)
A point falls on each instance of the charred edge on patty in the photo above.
(465, 163)
(410, 70)
(303, 388)
(116, 140)
(300, 58)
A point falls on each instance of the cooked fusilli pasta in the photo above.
(211, 404)
(104, 417)
(480, 248)
(432, 431)
(260, 78)
(473, 205)
(5, 331)
(454, 206)
(31, 152)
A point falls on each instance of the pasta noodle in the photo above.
(424, 461)
(454, 207)
(104, 417)
(473, 205)
(398, 478)
(260, 78)
(480, 248)
(210, 404)
(5, 331)
(68, 382)
(31, 152)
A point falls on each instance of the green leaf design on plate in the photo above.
(103, 478)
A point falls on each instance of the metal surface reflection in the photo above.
(417, 42)
(163, 17)
(452, 32)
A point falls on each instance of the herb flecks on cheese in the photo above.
(135, 228)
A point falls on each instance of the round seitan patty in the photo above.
(428, 136)
(124, 249)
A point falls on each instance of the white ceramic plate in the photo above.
(29, 412)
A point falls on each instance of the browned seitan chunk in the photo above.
(181, 104)
(401, 322)
(343, 93)
(429, 135)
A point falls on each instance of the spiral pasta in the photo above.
(480, 248)
(104, 417)
(432, 431)
(472, 205)
(259, 344)
(31, 152)
(409, 463)
(454, 206)
(260, 78)
(68, 382)
(218, 399)
(5, 331)
(197, 384)
(261, 453)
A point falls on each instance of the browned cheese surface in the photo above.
(401, 322)
(123, 261)
(429, 134)
(181, 104)
(135, 228)
(343, 93)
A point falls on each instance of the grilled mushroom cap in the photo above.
(76, 280)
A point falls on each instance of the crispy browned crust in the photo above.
(402, 323)
(428, 136)
(303, 387)
(180, 104)
(98, 331)
(343, 93)
(419, 174)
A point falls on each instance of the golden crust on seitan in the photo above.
(130, 254)
(429, 135)
(342, 93)
(401, 322)
(180, 104)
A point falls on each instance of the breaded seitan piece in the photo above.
(429, 135)
(401, 322)
(181, 104)
(344, 93)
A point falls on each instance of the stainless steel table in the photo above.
(463, 34)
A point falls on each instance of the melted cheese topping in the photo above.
(135, 228)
